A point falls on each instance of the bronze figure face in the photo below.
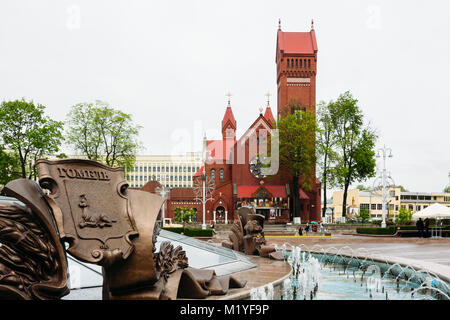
(96, 215)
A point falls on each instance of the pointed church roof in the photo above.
(229, 116)
(268, 115)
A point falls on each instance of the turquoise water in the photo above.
(336, 277)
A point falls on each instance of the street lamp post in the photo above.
(204, 191)
(163, 192)
(384, 177)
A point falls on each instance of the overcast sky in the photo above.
(170, 64)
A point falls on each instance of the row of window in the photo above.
(166, 169)
(411, 197)
(221, 175)
(379, 206)
(299, 63)
(376, 206)
(171, 178)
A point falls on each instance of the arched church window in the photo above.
(309, 63)
(213, 174)
(288, 63)
(304, 63)
(301, 64)
(296, 63)
(221, 175)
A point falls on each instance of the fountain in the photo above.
(344, 273)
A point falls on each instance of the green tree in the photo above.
(27, 131)
(361, 187)
(103, 134)
(325, 147)
(355, 145)
(9, 166)
(404, 216)
(447, 189)
(297, 152)
(364, 215)
(184, 214)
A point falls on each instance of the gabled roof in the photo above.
(261, 120)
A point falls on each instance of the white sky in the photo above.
(170, 64)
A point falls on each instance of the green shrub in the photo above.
(191, 232)
(198, 232)
(379, 231)
(174, 229)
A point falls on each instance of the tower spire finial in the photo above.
(312, 24)
(268, 98)
(229, 96)
(279, 24)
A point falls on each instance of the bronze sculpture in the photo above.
(89, 206)
(248, 235)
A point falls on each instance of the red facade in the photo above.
(232, 162)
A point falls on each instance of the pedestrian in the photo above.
(212, 227)
(419, 225)
(307, 228)
(300, 231)
(427, 227)
(321, 226)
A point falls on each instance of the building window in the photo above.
(301, 64)
(288, 63)
(410, 207)
(418, 208)
(379, 206)
(364, 206)
(189, 169)
(309, 63)
(304, 62)
(221, 175)
(296, 63)
(373, 206)
(213, 174)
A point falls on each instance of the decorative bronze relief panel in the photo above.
(97, 219)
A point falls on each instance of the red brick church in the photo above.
(232, 162)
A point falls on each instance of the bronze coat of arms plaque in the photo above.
(96, 213)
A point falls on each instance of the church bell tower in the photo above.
(296, 59)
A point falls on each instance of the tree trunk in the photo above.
(295, 197)
(344, 202)
(324, 181)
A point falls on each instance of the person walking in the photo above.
(212, 226)
(427, 227)
(419, 225)
(307, 228)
